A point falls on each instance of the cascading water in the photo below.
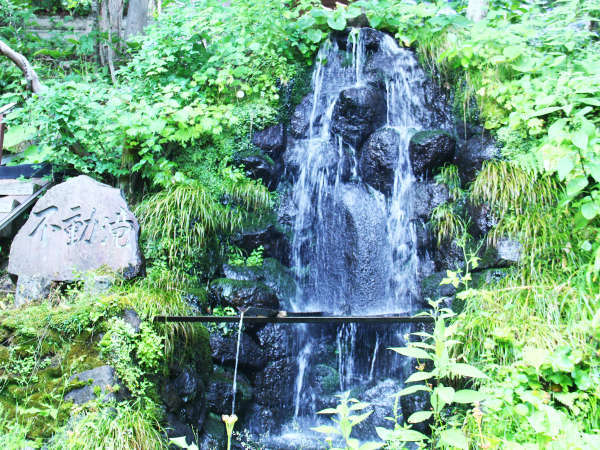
(354, 247)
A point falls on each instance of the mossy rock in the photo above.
(328, 378)
(243, 294)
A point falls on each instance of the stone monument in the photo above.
(78, 226)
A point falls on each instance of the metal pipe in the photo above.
(297, 319)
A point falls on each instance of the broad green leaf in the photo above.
(545, 111)
(445, 393)
(535, 356)
(466, 370)
(419, 376)
(455, 438)
(328, 411)
(512, 52)
(564, 167)
(180, 442)
(468, 396)
(371, 446)
(314, 35)
(580, 139)
(16, 135)
(326, 429)
(412, 389)
(420, 416)
(412, 352)
(590, 209)
(576, 185)
(403, 434)
(358, 406)
(336, 22)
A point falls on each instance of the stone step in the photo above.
(7, 204)
(18, 187)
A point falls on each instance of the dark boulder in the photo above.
(259, 167)
(273, 241)
(505, 252)
(430, 150)
(273, 386)
(300, 120)
(243, 294)
(271, 140)
(131, 317)
(471, 156)
(381, 401)
(428, 196)
(372, 39)
(449, 255)
(358, 112)
(410, 404)
(224, 350)
(431, 289)
(482, 219)
(219, 391)
(102, 379)
(273, 341)
(378, 159)
(272, 273)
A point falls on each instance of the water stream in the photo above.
(354, 247)
(237, 359)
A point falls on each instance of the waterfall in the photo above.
(237, 359)
(354, 246)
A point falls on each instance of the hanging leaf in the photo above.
(420, 416)
(336, 22)
(403, 434)
(412, 352)
(564, 167)
(580, 139)
(445, 393)
(455, 438)
(590, 209)
(419, 376)
(314, 35)
(466, 370)
(576, 185)
(326, 429)
(468, 396)
(412, 389)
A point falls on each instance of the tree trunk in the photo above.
(110, 23)
(137, 18)
(477, 10)
(33, 82)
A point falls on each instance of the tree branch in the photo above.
(33, 82)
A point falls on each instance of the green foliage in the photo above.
(117, 426)
(347, 414)
(446, 223)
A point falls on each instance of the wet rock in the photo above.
(372, 39)
(358, 112)
(272, 273)
(32, 288)
(326, 378)
(381, 401)
(271, 140)
(242, 294)
(449, 255)
(505, 252)
(77, 226)
(428, 196)
(482, 219)
(213, 435)
(416, 402)
(273, 241)
(103, 378)
(224, 350)
(132, 318)
(259, 167)
(430, 150)
(431, 289)
(183, 396)
(379, 158)
(286, 210)
(219, 392)
(478, 149)
(300, 120)
(94, 283)
(273, 341)
(272, 386)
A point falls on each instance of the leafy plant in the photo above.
(346, 418)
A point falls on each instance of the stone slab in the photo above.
(77, 226)
(7, 204)
(17, 187)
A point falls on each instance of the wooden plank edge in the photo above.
(297, 319)
(23, 206)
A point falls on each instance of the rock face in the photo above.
(103, 377)
(260, 167)
(32, 288)
(300, 120)
(478, 148)
(429, 195)
(271, 140)
(224, 351)
(357, 113)
(77, 226)
(378, 159)
(430, 150)
(243, 294)
(274, 242)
